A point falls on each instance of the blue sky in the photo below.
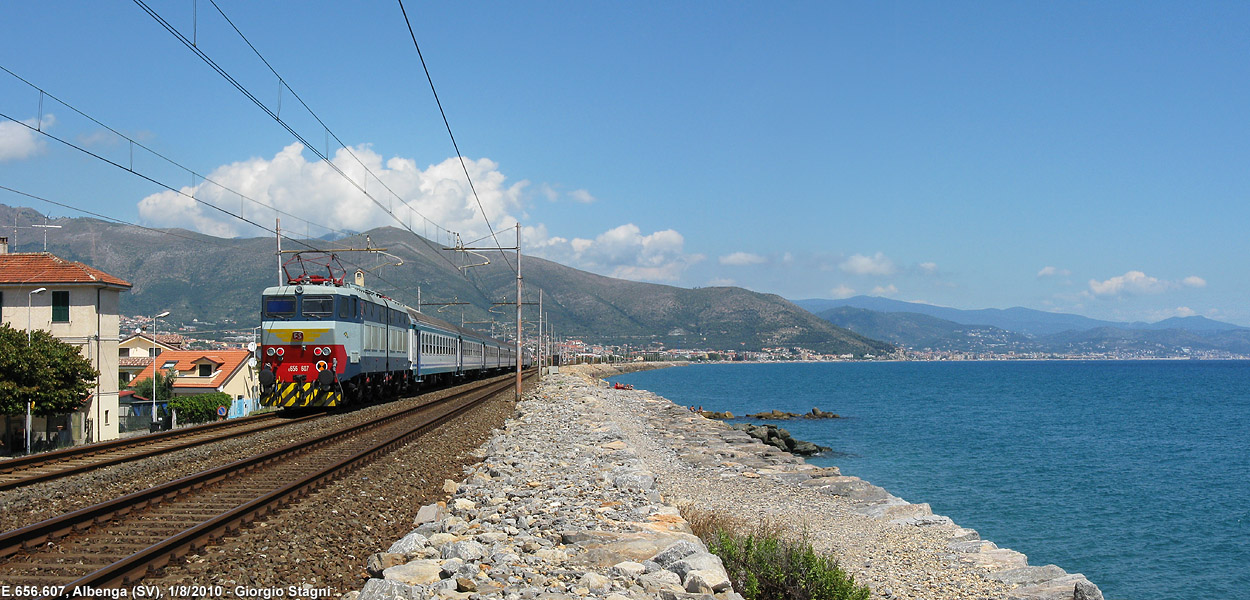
(1079, 157)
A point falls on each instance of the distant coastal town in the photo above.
(229, 335)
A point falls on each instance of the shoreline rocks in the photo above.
(780, 438)
(780, 415)
(578, 496)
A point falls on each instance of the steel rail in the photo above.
(159, 555)
(51, 459)
(172, 548)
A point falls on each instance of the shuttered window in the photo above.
(60, 307)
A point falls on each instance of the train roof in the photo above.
(355, 290)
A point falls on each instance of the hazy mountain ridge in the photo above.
(218, 280)
(924, 331)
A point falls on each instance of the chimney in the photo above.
(4, 245)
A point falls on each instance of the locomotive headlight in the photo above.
(325, 351)
(281, 351)
(317, 351)
(269, 351)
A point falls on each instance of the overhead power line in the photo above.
(195, 49)
(455, 146)
(135, 143)
(184, 194)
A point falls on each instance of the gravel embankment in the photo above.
(323, 540)
(579, 497)
(28, 505)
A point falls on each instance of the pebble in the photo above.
(580, 496)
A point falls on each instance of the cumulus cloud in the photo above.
(928, 267)
(721, 282)
(582, 196)
(19, 142)
(623, 252)
(742, 259)
(842, 291)
(1135, 283)
(1053, 272)
(877, 264)
(289, 182)
(888, 290)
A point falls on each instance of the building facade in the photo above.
(78, 305)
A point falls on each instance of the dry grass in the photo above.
(765, 562)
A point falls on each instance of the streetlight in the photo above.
(154, 386)
(31, 401)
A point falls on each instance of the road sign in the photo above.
(221, 411)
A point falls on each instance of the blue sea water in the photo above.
(1136, 474)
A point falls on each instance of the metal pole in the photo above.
(518, 312)
(539, 346)
(155, 388)
(277, 228)
(30, 402)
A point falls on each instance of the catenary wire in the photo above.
(169, 160)
(243, 89)
(94, 214)
(193, 198)
(453, 136)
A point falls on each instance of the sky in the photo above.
(1088, 158)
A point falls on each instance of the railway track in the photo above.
(115, 543)
(45, 466)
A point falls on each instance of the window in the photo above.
(345, 307)
(60, 307)
(318, 307)
(206, 370)
(279, 306)
(157, 351)
(123, 352)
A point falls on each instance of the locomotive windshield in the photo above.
(279, 306)
(318, 307)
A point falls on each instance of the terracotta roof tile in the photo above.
(134, 361)
(227, 361)
(44, 268)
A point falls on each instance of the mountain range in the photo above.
(928, 327)
(211, 280)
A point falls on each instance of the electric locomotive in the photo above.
(326, 342)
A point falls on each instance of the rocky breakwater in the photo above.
(560, 507)
(578, 498)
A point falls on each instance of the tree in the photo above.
(53, 374)
(164, 386)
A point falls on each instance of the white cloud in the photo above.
(293, 184)
(928, 267)
(582, 196)
(19, 142)
(877, 264)
(622, 252)
(842, 291)
(1138, 283)
(1053, 272)
(721, 282)
(888, 290)
(742, 259)
(549, 192)
(787, 258)
(1185, 311)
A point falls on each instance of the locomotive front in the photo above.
(303, 349)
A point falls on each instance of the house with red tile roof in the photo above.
(78, 305)
(135, 352)
(203, 371)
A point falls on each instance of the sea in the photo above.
(1134, 473)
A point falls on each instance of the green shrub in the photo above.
(200, 408)
(764, 565)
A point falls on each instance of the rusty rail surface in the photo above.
(36, 468)
(108, 558)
